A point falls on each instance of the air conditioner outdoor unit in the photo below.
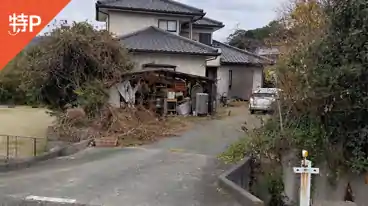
(202, 104)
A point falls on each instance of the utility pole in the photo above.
(305, 171)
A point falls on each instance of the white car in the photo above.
(262, 99)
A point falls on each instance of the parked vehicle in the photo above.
(263, 99)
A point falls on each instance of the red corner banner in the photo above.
(21, 21)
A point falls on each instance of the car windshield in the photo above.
(262, 95)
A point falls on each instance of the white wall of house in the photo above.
(222, 80)
(195, 65)
(257, 77)
(244, 80)
(122, 23)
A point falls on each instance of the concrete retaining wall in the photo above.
(322, 188)
(236, 181)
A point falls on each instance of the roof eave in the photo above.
(242, 63)
(100, 6)
(174, 52)
(97, 10)
(170, 71)
(208, 26)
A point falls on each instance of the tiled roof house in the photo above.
(168, 32)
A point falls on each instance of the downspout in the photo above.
(108, 16)
(194, 19)
(210, 59)
(108, 20)
(191, 30)
(214, 58)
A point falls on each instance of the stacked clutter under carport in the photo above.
(165, 91)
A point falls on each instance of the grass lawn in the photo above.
(25, 122)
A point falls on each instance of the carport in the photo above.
(154, 77)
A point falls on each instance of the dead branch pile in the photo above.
(138, 125)
(131, 126)
(70, 70)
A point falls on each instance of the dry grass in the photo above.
(130, 126)
(24, 122)
(238, 104)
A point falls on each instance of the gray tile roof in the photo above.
(233, 55)
(153, 39)
(166, 6)
(209, 22)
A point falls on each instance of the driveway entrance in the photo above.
(179, 171)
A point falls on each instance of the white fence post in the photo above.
(305, 171)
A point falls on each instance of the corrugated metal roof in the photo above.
(156, 40)
(167, 6)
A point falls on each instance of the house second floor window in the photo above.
(205, 38)
(168, 25)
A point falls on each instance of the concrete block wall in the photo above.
(323, 190)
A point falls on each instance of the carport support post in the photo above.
(305, 172)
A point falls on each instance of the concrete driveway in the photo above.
(178, 171)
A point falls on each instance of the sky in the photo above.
(243, 14)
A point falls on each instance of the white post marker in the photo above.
(305, 172)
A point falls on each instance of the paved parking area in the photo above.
(178, 171)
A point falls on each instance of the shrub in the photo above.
(67, 61)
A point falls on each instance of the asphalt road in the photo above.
(180, 171)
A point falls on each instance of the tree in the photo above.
(324, 78)
(342, 83)
(252, 39)
(304, 23)
(10, 79)
(324, 74)
(69, 62)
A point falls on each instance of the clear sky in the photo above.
(244, 14)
